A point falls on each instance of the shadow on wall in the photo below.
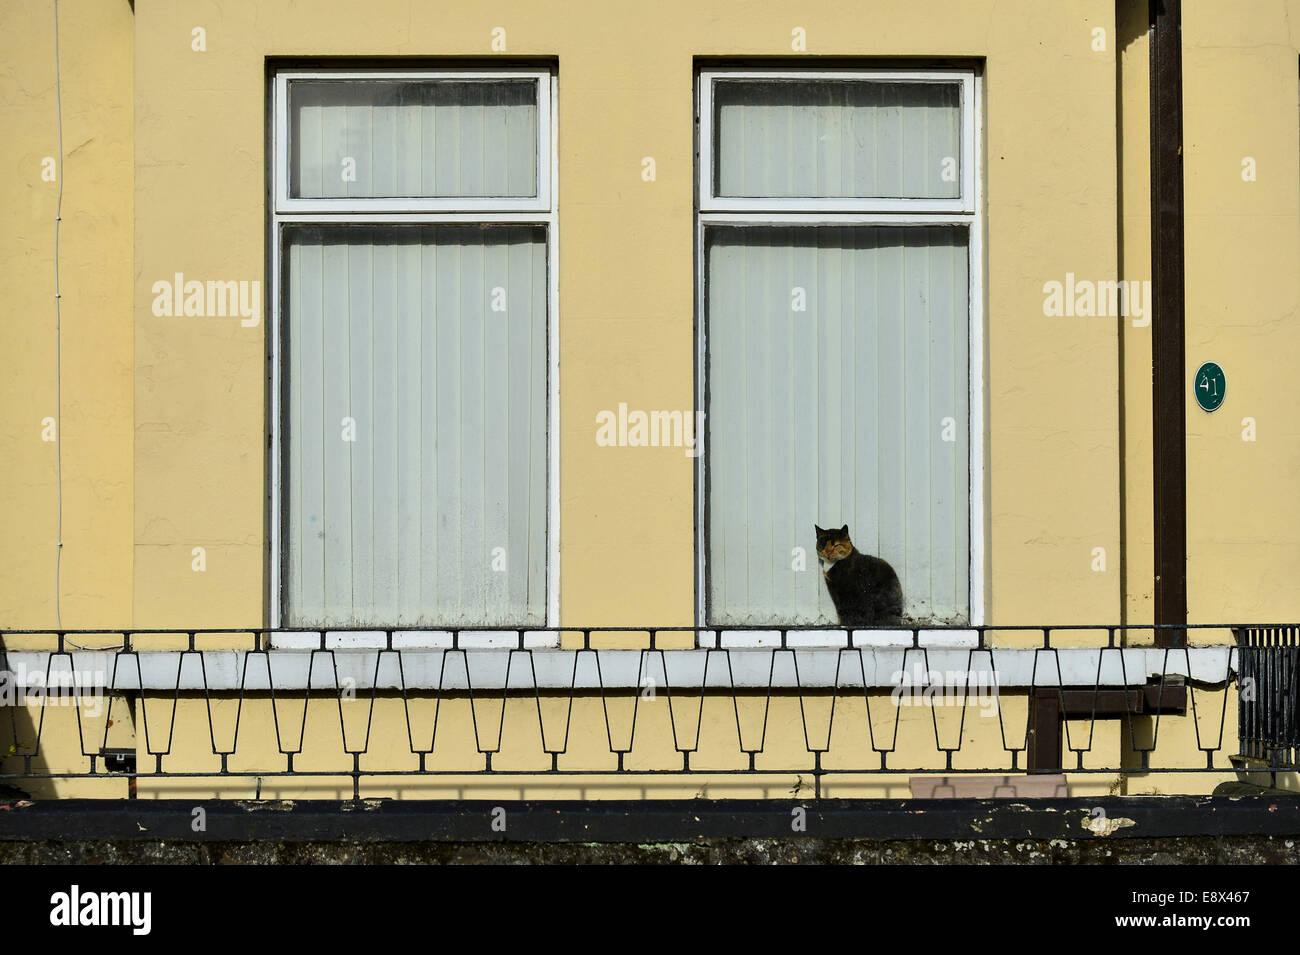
(17, 741)
(47, 727)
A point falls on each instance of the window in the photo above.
(413, 350)
(840, 341)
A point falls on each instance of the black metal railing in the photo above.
(482, 706)
(985, 636)
(1268, 690)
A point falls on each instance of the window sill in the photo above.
(709, 639)
(836, 639)
(415, 640)
(597, 671)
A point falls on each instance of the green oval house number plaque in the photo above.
(1210, 386)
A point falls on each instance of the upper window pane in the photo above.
(431, 138)
(837, 139)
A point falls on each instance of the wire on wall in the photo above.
(58, 335)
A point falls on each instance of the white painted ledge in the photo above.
(414, 640)
(835, 639)
(496, 669)
(829, 638)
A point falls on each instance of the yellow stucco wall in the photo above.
(626, 293)
(95, 280)
(320, 735)
(164, 419)
(1242, 99)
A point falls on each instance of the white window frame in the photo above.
(542, 202)
(540, 211)
(964, 203)
(966, 211)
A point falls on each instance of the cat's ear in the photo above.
(844, 531)
(818, 529)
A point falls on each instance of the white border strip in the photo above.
(488, 669)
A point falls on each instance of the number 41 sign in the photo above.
(1210, 386)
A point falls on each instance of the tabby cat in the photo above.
(865, 589)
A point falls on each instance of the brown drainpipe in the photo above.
(1169, 426)
(1168, 347)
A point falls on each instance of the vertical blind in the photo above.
(415, 417)
(833, 414)
(413, 138)
(837, 139)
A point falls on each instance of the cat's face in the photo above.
(834, 544)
